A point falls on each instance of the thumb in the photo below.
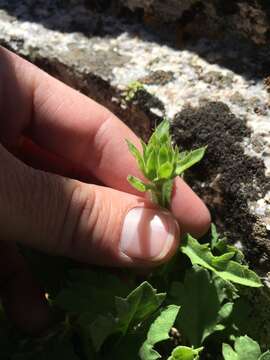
(89, 223)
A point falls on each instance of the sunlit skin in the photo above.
(63, 188)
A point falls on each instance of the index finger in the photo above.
(76, 128)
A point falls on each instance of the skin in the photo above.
(63, 189)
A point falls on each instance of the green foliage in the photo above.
(160, 163)
(222, 265)
(202, 312)
(105, 317)
(132, 89)
(185, 353)
(159, 331)
(244, 349)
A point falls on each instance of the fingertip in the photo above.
(190, 211)
(149, 236)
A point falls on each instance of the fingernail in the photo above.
(148, 234)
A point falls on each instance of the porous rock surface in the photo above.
(215, 92)
(249, 19)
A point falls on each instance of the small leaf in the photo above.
(163, 155)
(222, 260)
(159, 331)
(244, 349)
(229, 270)
(165, 171)
(151, 164)
(199, 303)
(136, 153)
(139, 304)
(167, 188)
(221, 246)
(136, 183)
(162, 131)
(100, 329)
(228, 353)
(185, 353)
(144, 146)
(189, 160)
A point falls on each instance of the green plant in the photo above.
(160, 163)
(132, 90)
(198, 294)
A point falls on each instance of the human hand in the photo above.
(53, 142)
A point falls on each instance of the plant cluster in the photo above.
(193, 307)
(132, 90)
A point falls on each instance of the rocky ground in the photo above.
(215, 91)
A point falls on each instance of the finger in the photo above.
(22, 298)
(86, 222)
(41, 159)
(188, 208)
(75, 128)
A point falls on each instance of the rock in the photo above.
(189, 18)
(214, 90)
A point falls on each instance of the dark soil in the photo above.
(226, 178)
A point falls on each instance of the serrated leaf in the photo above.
(190, 159)
(225, 289)
(245, 348)
(199, 303)
(165, 171)
(139, 304)
(129, 312)
(136, 183)
(220, 246)
(159, 331)
(185, 353)
(229, 270)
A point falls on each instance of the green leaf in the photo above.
(228, 353)
(136, 183)
(101, 328)
(221, 246)
(200, 306)
(163, 155)
(129, 312)
(139, 304)
(265, 356)
(136, 153)
(226, 290)
(151, 165)
(189, 160)
(229, 270)
(165, 171)
(167, 189)
(144, 147)
(162, 131)
(159, 331)
(244, 349)
(185, 353)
